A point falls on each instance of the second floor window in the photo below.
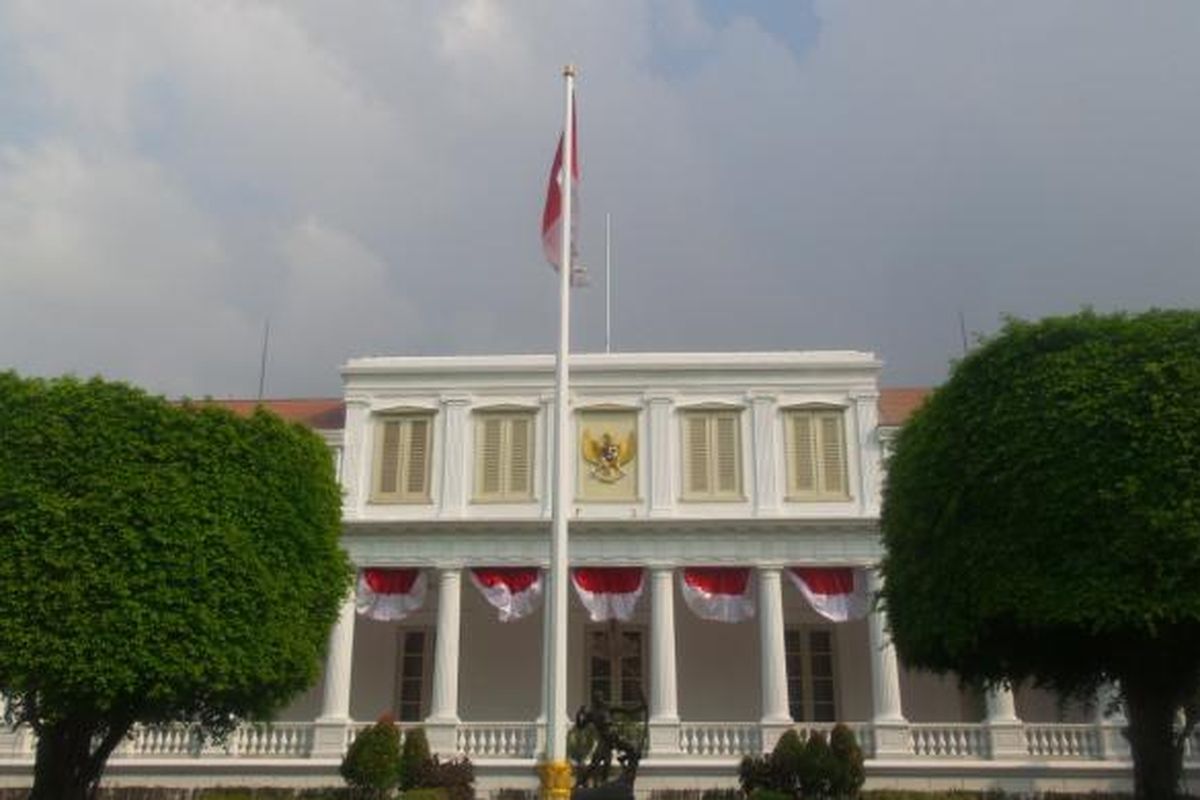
(504, 456)
(712, 455)
(402, 450)
(816, 454)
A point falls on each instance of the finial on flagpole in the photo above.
(569, 70)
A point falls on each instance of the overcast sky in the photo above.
(369, 175)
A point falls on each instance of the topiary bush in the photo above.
(372, 765)
(786, 762)
(817, 768)
(456, 777)
(415, 760)
(849, 774)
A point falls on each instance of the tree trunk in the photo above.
(71, 756)
(1157, 763)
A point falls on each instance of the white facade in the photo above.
(716, 691)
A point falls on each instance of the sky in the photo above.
(369, 176)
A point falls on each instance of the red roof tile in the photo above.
(321, 413)
(896, 405)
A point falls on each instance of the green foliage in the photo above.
(430, 793)
(787, 762)
(415, 760)
(849, 773)
(456, 777)
(1042, 513)
(818, 768)
(372, 764)
(159, 561)
(770, 794)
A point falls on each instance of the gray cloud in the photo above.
(173, 173)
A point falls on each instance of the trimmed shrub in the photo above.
(817, 768)
(849, 774)
(787, 763)
(415, 759)
(372, 764)
(456, 777)
(754, 773)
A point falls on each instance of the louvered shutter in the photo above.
(804, 473)
(416, 462)
(726, 454)
(389, 458)
(697, 454)
(490, 453)
(518, 455)
(833, 455)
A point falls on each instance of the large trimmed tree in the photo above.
(1042, 520)
(158, 563)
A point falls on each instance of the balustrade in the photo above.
(497, 739)
(719, 738)
(957, 740)
(1062, 741)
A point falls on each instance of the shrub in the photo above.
(770, 794)
(787, 762)
(754, 773)
(427, 793)
(415, 760)
(848, 757)
(817, 767)
(372, 764)
(456, 777)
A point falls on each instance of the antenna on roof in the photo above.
(962, 330)
(262, 365)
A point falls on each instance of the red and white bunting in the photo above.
(515, 592)
(836, 593)
(608, 592)
(390, 594)
(718, 593)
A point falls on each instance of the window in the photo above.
(616, 664)
(812, 691)
(402, 448)
(712, 455)
(504, 456)
(816, 454)
(413, 649)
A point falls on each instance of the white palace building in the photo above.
(723, 534)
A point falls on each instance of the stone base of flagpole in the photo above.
(556, 779)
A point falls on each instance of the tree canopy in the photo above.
(159, 562)
(1042, 513)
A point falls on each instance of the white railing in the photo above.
(720, 738)
(1062, 741)
(951, 740)
(278, 740)
(861, 731)
(497, 739)
(162, 740)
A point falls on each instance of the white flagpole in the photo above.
(556, 706)
(608, 283)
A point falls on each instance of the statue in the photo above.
(600, 731)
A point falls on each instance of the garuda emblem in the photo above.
(606, 457)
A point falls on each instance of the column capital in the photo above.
(455, 400)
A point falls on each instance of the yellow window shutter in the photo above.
(491, 452)
(697, 454)
(803, 455)
(727, 456)
(417, 461)
(389, 458)
(519, 448)
(833, 454)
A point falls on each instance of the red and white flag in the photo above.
(389, 594)
(515, 592)
(836, 593)
(718, 593)
(608, 592)
(552, 214)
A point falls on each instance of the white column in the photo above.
(1006, 734)
(766, 477)
(329, 736)
(664, 705)
(1113, 744)
(442, 723)
(776, 716)
(891, 728)
(662, 493)
(454, 453)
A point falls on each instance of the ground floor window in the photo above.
(414, 656)
(616, 664)
(811, 674)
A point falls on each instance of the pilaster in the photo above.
(869, 449)
(766, 474)
(454, 455)
(662, 491)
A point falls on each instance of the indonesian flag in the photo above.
(836, 593)
(389, 594)
(552, 214)
(608, 592)
(514, 591)
(718, 593)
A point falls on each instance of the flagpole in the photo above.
(556, 778)
(608, 283)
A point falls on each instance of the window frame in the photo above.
(505, 495)
(399, 701)
(615, 679)
(712, 414)
(805, 701)
(815, 412)
(401, 496)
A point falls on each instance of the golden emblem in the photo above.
(607, 457)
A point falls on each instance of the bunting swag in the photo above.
(608, 592)
(515, 591)
(718, 593)
(836, 593)
(390, 594)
